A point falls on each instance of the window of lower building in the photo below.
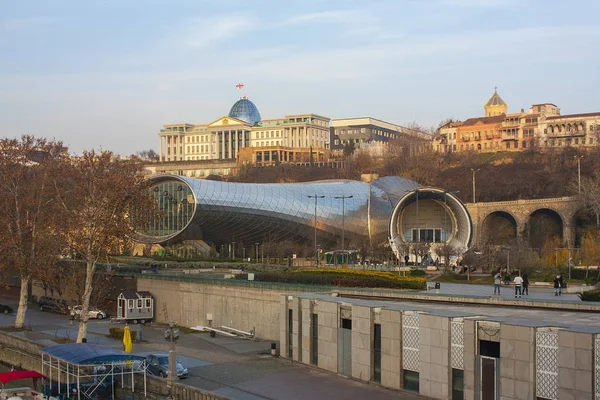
(290, 333)
(411, 380)
(377, 353)
(315, 339)
(458, 384)
(508, 145)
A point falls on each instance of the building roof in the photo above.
(593, 114)
(495, 100)
(485, 120)
(84, 353)
(130, 294)
(245, 110)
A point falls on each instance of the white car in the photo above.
(93, 313)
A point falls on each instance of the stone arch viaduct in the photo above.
(522, 211)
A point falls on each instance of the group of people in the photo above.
(522, 283)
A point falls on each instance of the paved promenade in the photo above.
(507, 292)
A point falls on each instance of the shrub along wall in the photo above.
(343, 278)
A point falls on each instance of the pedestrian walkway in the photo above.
(506, 292)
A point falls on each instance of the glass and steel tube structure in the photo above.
(221, 212)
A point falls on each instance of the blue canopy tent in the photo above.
(88, 367)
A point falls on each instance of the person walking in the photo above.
(497, 282)
(558, 284)
(525, 284)
(518, 282)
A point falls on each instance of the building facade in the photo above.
(242, 128)
(370, 133)
(442, 352)
(542, 126)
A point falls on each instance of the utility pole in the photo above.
(316, 197)
(578, 158)
(343, 198)
(474, 171)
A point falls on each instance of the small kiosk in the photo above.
(134, 307)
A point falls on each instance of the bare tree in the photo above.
(447, 251)
(101, 212)
(29, 244)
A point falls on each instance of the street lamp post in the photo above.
(343, 198)
(474, 171)
(316, 197)
(578, 158)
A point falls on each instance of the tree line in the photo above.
(59, 206)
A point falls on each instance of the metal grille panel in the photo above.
(457, 341)
(410, 342)
(546, 364)
(597, 363)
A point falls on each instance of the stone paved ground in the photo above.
(507, 292)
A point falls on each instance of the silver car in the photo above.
(93, 313)
(158, 364)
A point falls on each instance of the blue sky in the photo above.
(107, 74)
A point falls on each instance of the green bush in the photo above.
(590, 295)
(117, 333)
(418, 272)
(342, 279)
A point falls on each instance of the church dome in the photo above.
(495, 100)
(246, 111)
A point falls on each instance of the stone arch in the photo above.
(499, 228)
(582, 222)
(544, 224)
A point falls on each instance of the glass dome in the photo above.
(245, 110)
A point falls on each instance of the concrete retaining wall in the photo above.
(19, 352)
(238, 306)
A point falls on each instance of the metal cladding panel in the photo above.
(251, 213)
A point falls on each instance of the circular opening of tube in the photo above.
(172, 210)
(430, 215)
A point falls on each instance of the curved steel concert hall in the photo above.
(392, 209)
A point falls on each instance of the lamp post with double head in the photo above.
(343, 198)
(316, 197)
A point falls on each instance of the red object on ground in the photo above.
(15, 375)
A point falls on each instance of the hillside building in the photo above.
(541, 126)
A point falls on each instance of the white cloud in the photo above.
(338, 16)
(20, 24)
(480, 3)
(205, 32)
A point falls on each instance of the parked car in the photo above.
(53, 305)
(158, 364)
(4, 309)
(93, 313)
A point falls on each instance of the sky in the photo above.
(107, 74)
